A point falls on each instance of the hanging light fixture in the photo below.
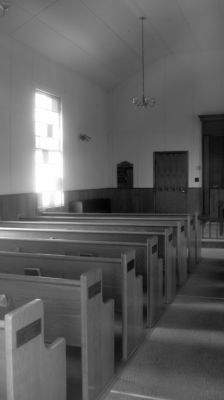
(4, 6)
(143, 101)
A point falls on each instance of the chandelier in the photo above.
(143, 101)
(4, 6)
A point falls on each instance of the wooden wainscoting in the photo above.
(11, 205)
(137, 200)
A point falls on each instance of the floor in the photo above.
(183, 357)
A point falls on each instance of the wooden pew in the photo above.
(74, 310)
(193, 224)
(180, 234)
(28, 368)
(166, 248)
(119, 282)
(148, 263)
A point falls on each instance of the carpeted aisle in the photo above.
(183, 357)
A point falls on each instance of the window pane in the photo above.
(43, 101)
(46, 199)
(48, 153)
(40, 129)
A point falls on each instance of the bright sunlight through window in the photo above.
(48, 150)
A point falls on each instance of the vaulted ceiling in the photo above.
(101, 38)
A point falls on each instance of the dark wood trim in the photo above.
(211, 117)
(211, 126)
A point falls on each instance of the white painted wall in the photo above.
(184, 86)
(84, 111)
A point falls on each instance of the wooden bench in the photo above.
(180, 234)
(193, 225)
(166, 248)
(26, 364)
(148, 263)
(119, 282)
(73, 309)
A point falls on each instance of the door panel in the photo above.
(171, 181)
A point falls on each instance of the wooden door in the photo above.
(171, 181)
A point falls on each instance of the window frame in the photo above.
(50, 147)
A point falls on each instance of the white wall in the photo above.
(184, 86)
(84, 111)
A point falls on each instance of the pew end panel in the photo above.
(167, 250)
(155, 284)
(182, 253)
(191, 239)
(34, 371)
(132, 305)
(97, 321)
(198, 229)
(171, 265)
(3, 386)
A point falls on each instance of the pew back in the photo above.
(189, 221)
(180, 233)
(166, 247)
(195, 224)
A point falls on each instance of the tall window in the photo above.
(48, 150)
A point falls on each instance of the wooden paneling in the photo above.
(86, 194)
(138, 200)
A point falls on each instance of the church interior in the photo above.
(111, 199)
